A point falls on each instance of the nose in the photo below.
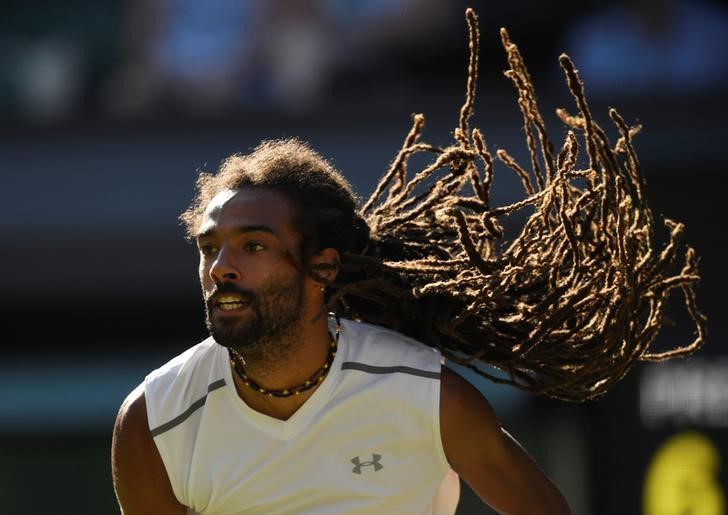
(223, 268)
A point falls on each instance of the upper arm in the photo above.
(140, 479)
(493, 464)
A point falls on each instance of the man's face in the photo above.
(250, 271)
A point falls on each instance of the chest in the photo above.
(360, 454)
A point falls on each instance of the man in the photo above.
(286, 410)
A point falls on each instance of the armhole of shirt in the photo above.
(440, 449)
(162, 449)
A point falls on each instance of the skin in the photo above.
(481, 452)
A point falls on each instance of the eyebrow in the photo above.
(243, 229)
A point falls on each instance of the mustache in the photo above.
(229, 288)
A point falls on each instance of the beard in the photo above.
(267, 331)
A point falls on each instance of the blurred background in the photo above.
(108, 109)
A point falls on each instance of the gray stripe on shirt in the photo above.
(371, 369)
(189, 411)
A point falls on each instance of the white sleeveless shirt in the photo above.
(366, 441)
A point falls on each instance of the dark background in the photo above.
(108, 109)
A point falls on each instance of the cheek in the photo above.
(203, 272)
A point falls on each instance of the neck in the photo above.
(304, 355)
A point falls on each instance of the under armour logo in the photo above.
(358, 464)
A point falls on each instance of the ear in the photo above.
(324, 266)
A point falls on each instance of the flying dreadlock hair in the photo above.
(565, 308)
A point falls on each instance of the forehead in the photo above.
(247, 207)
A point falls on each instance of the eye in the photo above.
(207, 250)
(254, 246)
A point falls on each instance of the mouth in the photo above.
(229, 303)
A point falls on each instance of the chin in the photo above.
(233, 333)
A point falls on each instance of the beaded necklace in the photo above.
(237, 361)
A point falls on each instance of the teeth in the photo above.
(228, 298)
(229, 306)
(230, 302)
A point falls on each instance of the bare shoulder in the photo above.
(132, 416)
(457, 391)
(462, 403)
(465, 414)
(140, 479)
(490, 460)
(132, 439)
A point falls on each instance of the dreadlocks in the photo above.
(564, 309)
